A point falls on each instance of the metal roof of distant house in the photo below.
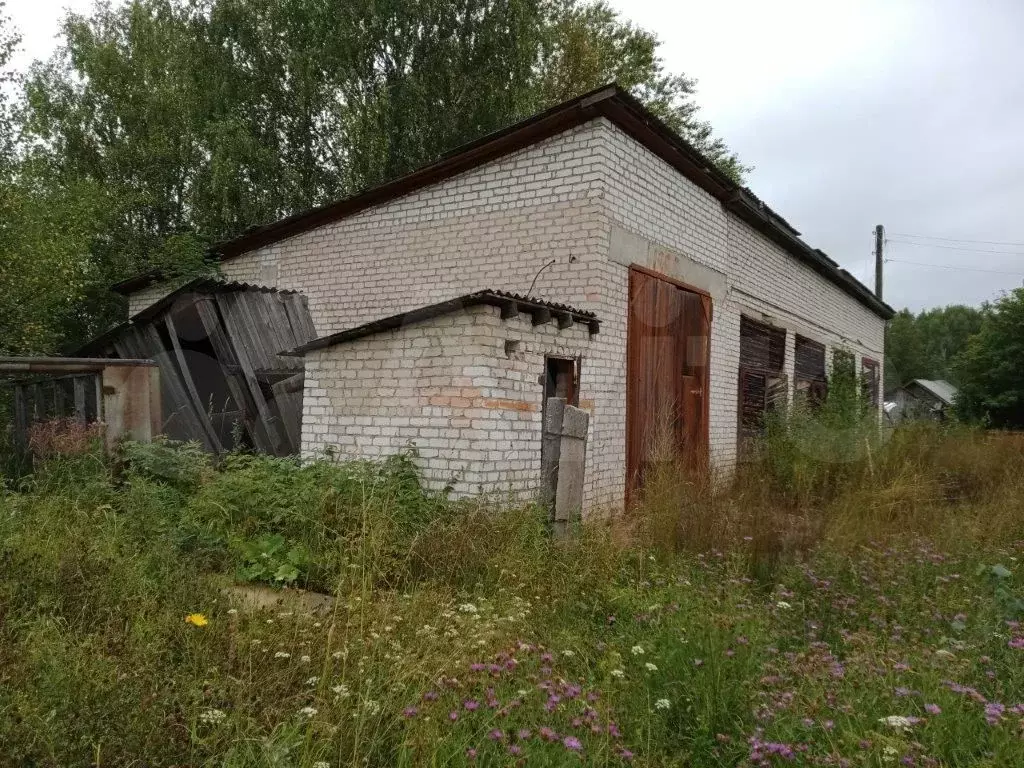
(511, 304)
(610, 102)
(941, 388)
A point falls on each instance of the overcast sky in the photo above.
(906, 113)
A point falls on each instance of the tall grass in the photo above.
(777, 616)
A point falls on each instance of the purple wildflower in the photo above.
(572, 743)
(524, 733)
(471, 753)
(933, 709)
(453, 715)
(515, 749)
(496, 735)
(471, 705)
(994, 712)
(410, 712)
(547, 734)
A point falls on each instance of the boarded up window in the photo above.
(809, 372)
(762, 346)
(870, 381)
(763, 387)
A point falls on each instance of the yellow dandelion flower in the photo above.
(197, 620)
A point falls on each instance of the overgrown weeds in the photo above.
(811, 612)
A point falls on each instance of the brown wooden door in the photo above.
(667, 358)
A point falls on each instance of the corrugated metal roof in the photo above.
(203, 283)
(510, 303)
(941, 388)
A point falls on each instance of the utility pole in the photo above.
(879, 246)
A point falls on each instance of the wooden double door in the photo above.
(667, 366)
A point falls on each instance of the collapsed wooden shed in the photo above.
(217, 345)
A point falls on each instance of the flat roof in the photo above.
(611, 102)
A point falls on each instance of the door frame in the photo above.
(631, 461)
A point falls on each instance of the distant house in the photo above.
(922, 399)
(587, 252)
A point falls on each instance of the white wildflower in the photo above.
(305, 659)
(467, 608)
(313, 680)
(942, 653)
(212, 716)
(341, 691)
(308, 711)
(337, 654)
(282, 655)
(372, 707)
(783, 605)
(896, 721)
(618, 674)
(651, 667)
(662, 704)
(638, 650)
(321, 764)
(232, 611)
(568, 654)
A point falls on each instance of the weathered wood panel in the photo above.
(190, 387)
(288, 401)
(207, 309)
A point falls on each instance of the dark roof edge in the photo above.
(510, 303)
(212, 284)
(609, 101)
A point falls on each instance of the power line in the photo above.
(956, 269)
(958, 240)
(954, 248)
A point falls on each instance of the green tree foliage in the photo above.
(990, 371)
(924, 346)
(161, 126)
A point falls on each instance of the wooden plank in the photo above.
(78, 383)
(38, 402)
(281, 330)
(206, 307)
(297, 307)
(234, 323)
(180, 420)
(288, 399)
(20, 417)
(190, 386)
(696, 363)
(58, 399)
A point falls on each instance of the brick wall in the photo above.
(447, 385)
(680, 230)
(592, 200)
(496, 227)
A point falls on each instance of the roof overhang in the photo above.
(610, 102)
(511, 305)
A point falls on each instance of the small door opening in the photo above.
(561, 379)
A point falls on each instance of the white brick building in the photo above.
(578, 203)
